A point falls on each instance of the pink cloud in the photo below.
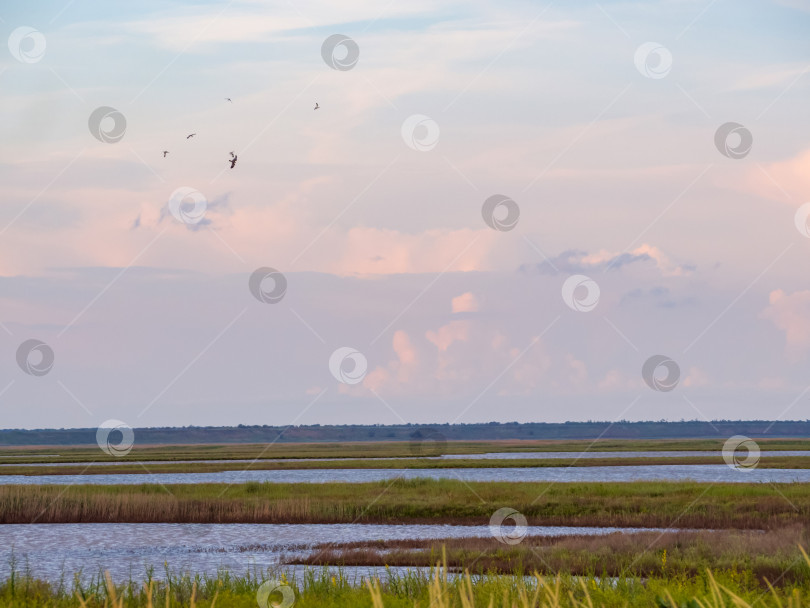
(696, 377)
(578, 371)
(398, 372)
(406, 354)
(613, 380)
(530, 370)
(466, 302)
(791, 314)
(783, 181)
(366, 250)
(453, 359)
(665, 265)
(444, 337)
(618, 380)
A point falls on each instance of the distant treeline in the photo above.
(408, 432)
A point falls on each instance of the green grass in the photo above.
(319, 589)
(639, 504)
(770, 555)
(776, 462)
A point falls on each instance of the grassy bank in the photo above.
(638, 504)
(391, 449)
(724, 589)
(786, 462)
(770, 555)
(776, 462)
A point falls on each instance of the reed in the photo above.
(434, 589)
(765, 555)
(124, 467)
(636, 504)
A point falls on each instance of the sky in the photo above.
(511, 211)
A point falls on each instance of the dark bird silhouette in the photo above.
(165, 152)
(231, 153)
(316, 106)
(190, 136)
(228, 99)
(233, 160)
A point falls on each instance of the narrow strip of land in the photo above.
(428, 446)
(636, 504)
(773, 554)
(776, 462)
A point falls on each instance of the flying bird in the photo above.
(228, 99)
(165, 152)
(316, 106)
(233, 160)
(190, 136)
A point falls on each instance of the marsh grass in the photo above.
(765, 555)
(778, 462)
(378, 449)
(435, 589)
(633, 504)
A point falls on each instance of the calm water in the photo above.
(701, 473)
(648, 454)
(49, 550)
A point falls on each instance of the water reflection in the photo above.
(700, 473)
(48, 551)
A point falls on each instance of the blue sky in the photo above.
(615, 173)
